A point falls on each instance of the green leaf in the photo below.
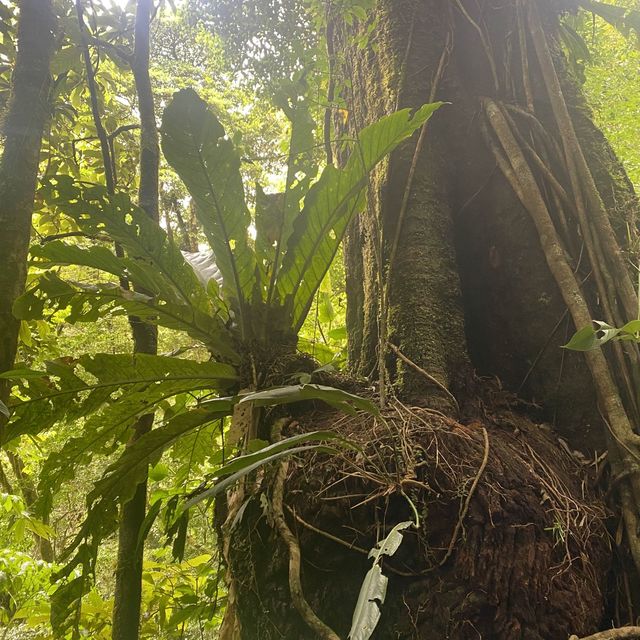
(67, 598)
(4, 410)
(119, 481)
(301, 169)
(173, 294)
(229, 481)
(121, 478)
(583, 340)
(589, 338)
(153, 262)
(241, 462)
(158, 472)
(122, 388)
(195, 145)
(330, 205)
(337, 398)
(88, 303)
(243, 465)
(70, 391)
(631, 328)
(117, 485)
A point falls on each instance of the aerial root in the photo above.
(630, 633)
(295, 584)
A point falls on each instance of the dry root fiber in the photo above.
(511, 543)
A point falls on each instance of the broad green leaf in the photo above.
(337, 398)
(158, 472)
(118, 485)
(632, 327)
(110, 392)
(88, 303)
(241, 462)
(301, 169)
(67, 598)
(330, 205)
(153, 263)
(243, 465)
(589, 338)
(195, 145)
(229, 481)
(4, 410)
(583, 340)
(121, 478)
(70, 391)
(173, 293)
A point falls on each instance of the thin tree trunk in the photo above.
(128, 591)
(128, 588)
(23, 129)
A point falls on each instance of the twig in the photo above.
(114, 49)
(426, 374)
(74, 234)
(612, 634)
(467, 502)
(327, 535)
(348, 545)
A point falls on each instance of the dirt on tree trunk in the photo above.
(511, 542)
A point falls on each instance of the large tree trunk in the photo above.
(468, 262)
(484, 245)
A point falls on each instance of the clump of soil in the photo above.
(511, 543)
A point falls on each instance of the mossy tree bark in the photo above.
(469, 284)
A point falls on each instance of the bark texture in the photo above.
(469, 276)
(22, 129)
